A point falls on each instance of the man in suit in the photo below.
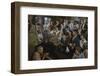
(76, 38)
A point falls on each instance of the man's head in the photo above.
(74, 33)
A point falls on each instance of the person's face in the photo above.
(70, 44)
(74, 33)
(57, 22)
(40, 49)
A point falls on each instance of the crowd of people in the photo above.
(59, 37)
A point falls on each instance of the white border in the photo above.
(25, 64)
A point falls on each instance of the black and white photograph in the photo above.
(57, 37)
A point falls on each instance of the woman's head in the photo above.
(40, 49)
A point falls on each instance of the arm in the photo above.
(46, 56)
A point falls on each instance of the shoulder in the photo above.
(36, 53)
(36, 56)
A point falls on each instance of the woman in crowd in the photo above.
(40, 55)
